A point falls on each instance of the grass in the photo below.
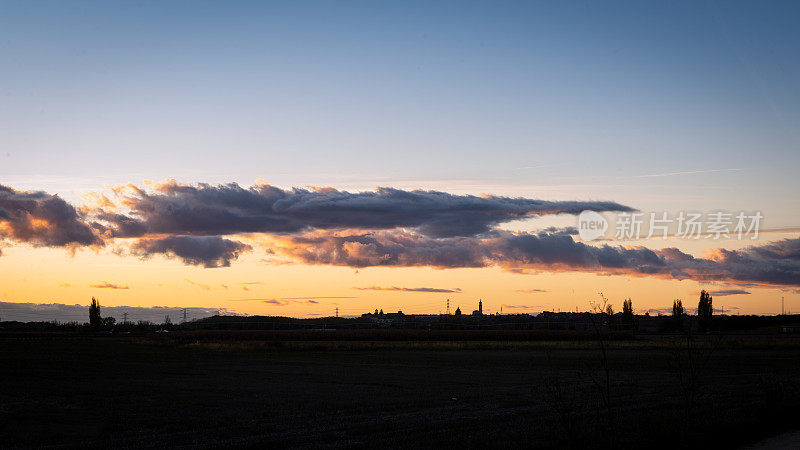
(207, 393)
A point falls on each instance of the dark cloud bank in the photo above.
(385, 227)
(190, 221)
(42, 219)
(776, 263)
(231, 209)
(206, 251)
(45, 312)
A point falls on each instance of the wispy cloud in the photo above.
(531, 291)
(541, 166)
(522, 307)
(687, 172)
(204, 287)
(725, 292)
(107, 285)
(247, 284)
(284, 302)
(405, 289)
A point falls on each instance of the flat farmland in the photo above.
(188, 392)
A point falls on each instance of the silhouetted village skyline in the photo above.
(601, 318)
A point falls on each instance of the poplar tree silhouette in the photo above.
(94, 315)
(704, 311)
(677, 313)
(627, 314)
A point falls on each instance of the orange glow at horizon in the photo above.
(249, 282)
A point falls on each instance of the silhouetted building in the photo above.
(479, 311)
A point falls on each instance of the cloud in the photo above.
(522, 307)
(191, 222)
(531, 291)
(405, 289)
(568, 231)
(384, 227)
(287, 299)
(107, 285)
(36, 312)
(41, 219)
(772, 264)
(284, 302)
(726, 292)
(666, 311)
(204, 287)
(688, 172)
(206, 251)
(203, 210)
(382, 248)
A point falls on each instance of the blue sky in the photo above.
(660, 106)
(574, 99)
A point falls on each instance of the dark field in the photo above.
(159, 392)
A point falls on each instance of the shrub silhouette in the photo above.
(108, 322)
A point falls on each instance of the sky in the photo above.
(422, 138)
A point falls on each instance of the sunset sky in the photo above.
(289, 158)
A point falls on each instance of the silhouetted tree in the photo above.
(704, 311)
(677, 308)
(94, 315)
(627, 313)
(603, 385)
(677, 313)
(108, 322)
(610, 316)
